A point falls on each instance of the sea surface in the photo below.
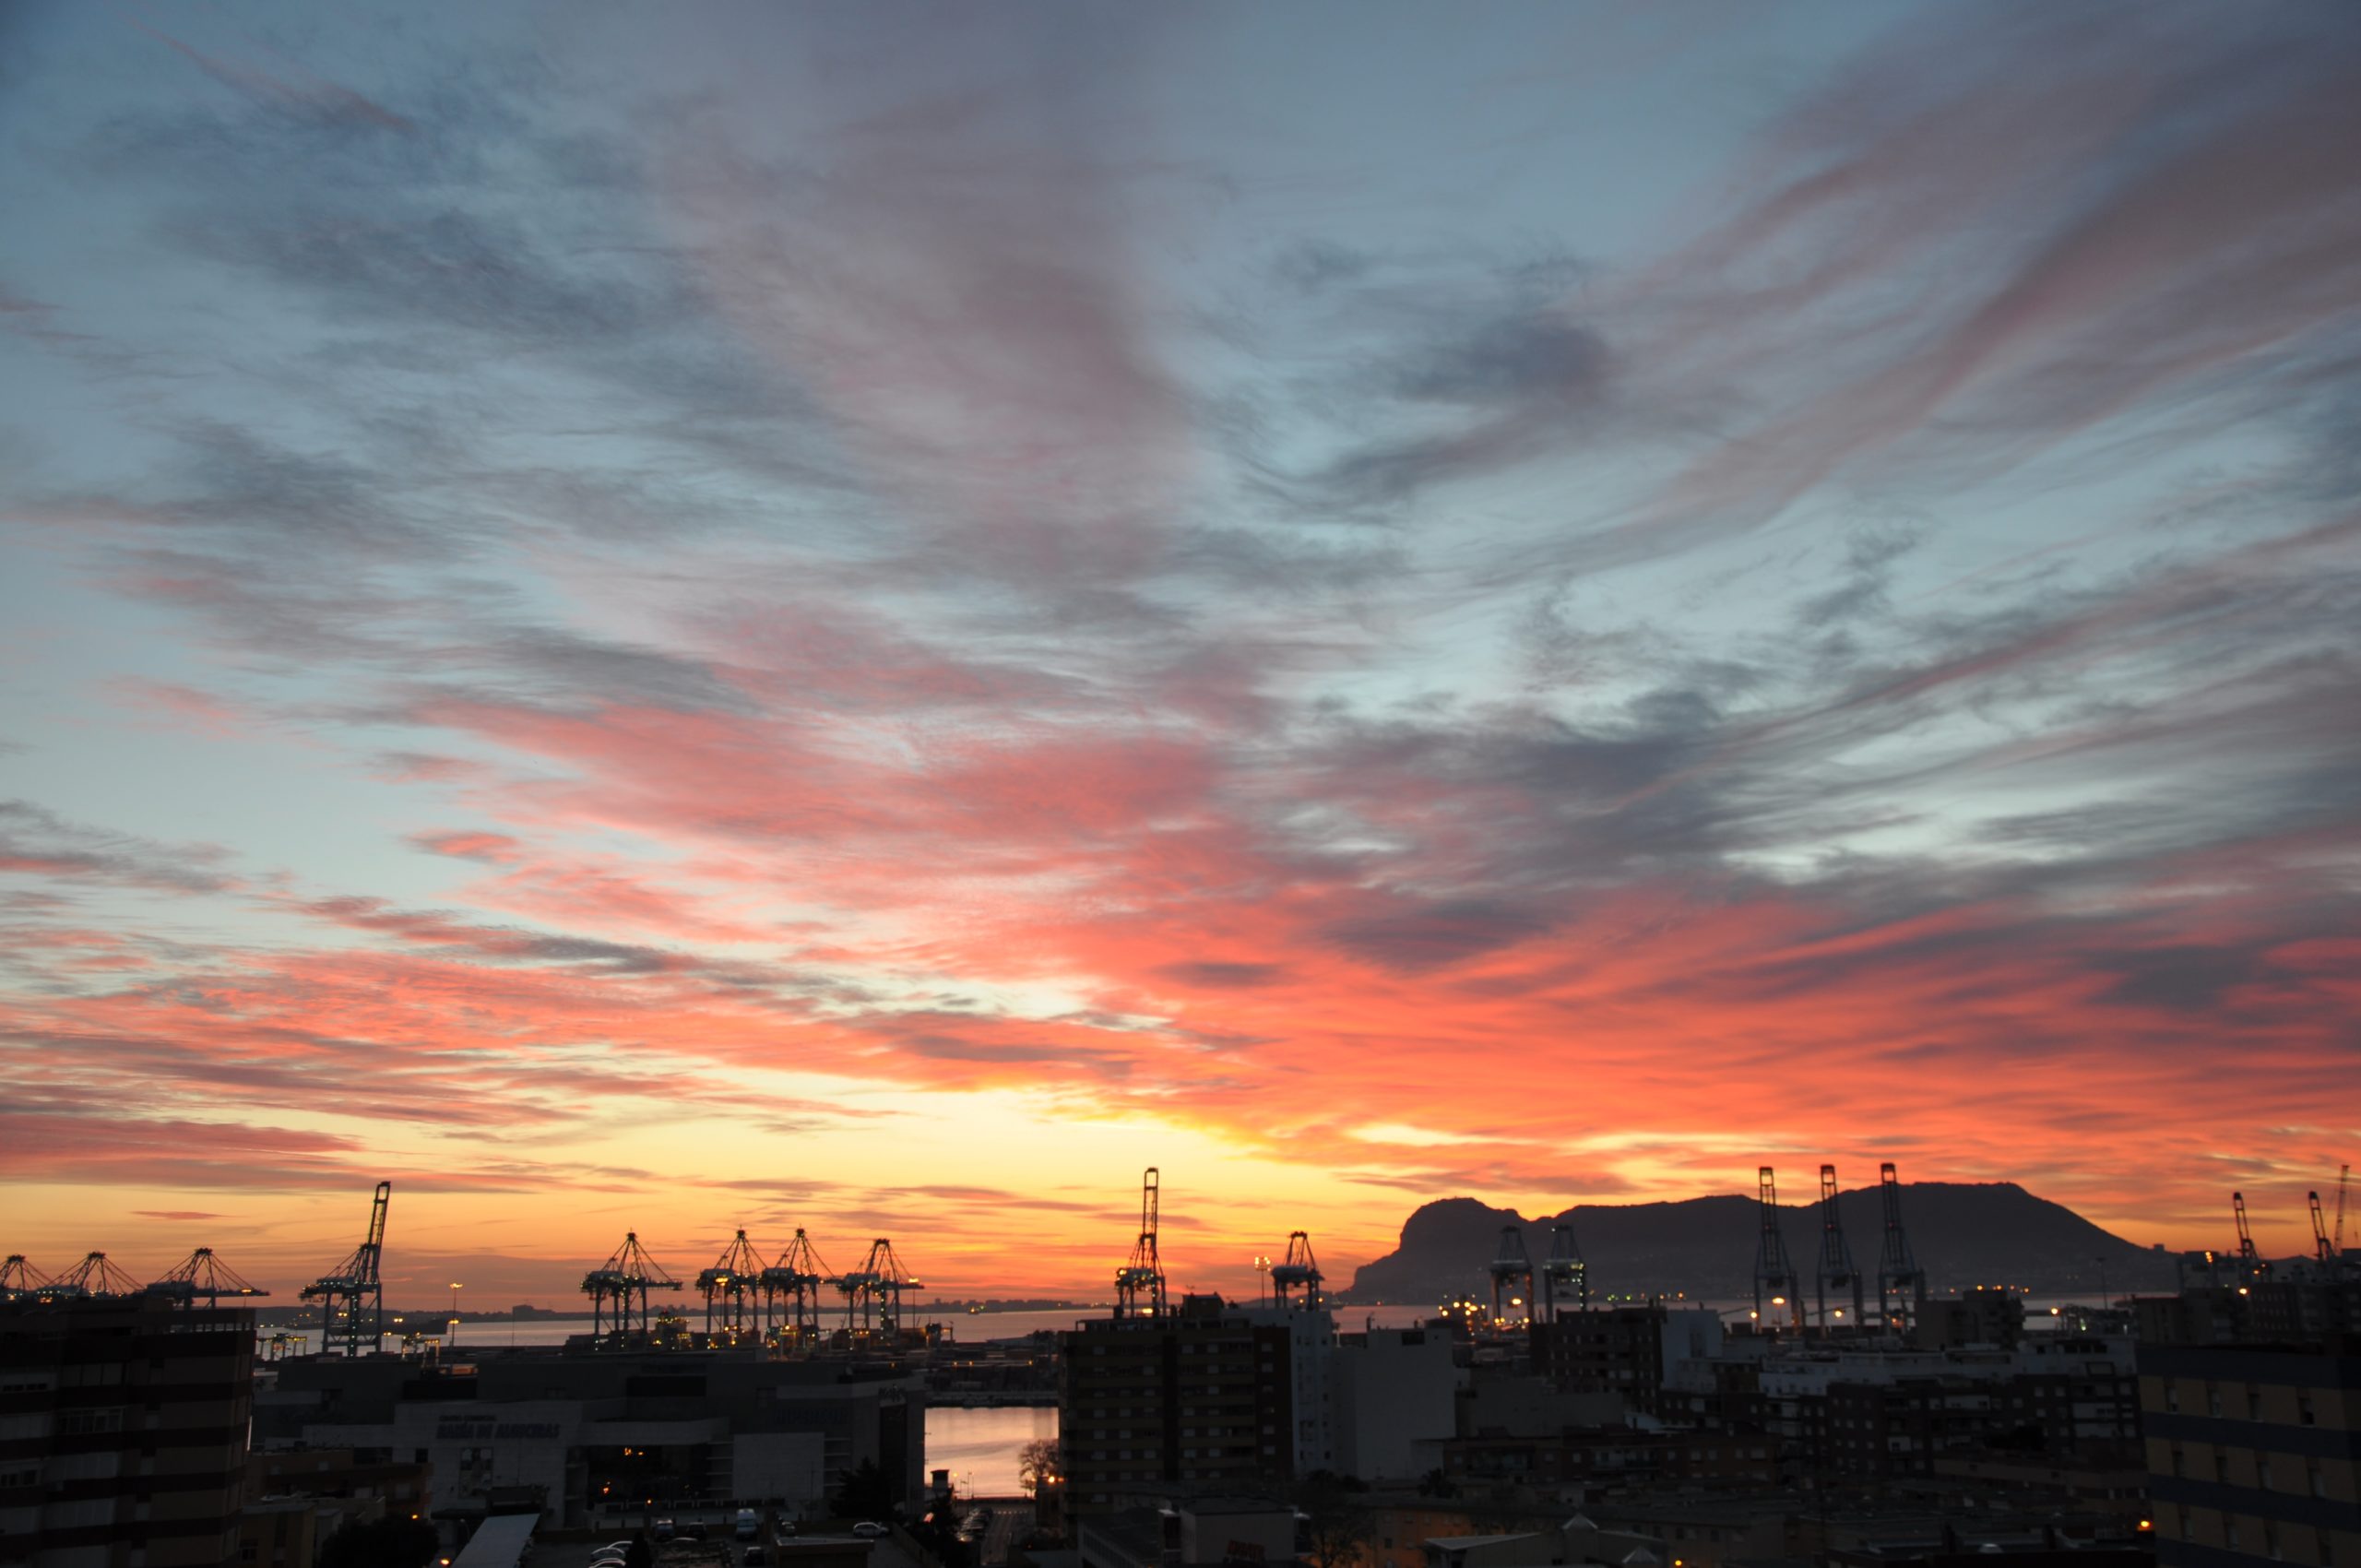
(966, 1328)
(980, 1448)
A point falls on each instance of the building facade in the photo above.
(2254, 1452)
(610, 1436)
(1198, 1399)
(123, 1432)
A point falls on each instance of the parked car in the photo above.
(754, 1558)
(749, 1521)
(667, 1528)
(869, 1529)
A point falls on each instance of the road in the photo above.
(1011, 1522)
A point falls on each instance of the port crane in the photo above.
(1299, 1270)
(796, 1277)
(1835, 1253)
(352, 1294)
(2321, 1251)
(729, 1286)
(1775, 1275)
(624, 1282)
(873, 1291)
(19, 1278)
(202, 1277)
(2250, 1264)
(1139, 1284)
(1898, 1270)
(94, 1276)
(1512, 1272)
(1564, 1271)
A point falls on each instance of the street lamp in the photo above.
(454, 1339)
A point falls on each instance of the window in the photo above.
(2180, 1463)
(2262, 1472)
(2213, 1400)
(2222, 1468)
(2304, 1413)
(2172, 1396)
(75, 1423)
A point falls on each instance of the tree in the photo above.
(1338, 1525)
(395, 1541)
(938, 1532)
(865, 1493)
(1037, 1464)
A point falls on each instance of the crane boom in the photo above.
(374, 1249)
(1139, 1284)
(2343, 1179)
(1835, 1253)
(2251, 1265)
(2320, 1248)
(352, 1295)
(1512, 1272)
(1564, 1268)
(1898, 1270)
(1774, 1274)
(1297, 1269)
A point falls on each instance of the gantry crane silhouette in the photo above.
(1139, 1284)
(352, 1294)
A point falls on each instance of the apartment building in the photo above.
(123, 1432)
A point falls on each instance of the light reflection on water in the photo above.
(980, 1447)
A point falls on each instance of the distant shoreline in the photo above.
(295, 1317)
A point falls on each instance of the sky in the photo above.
(872, 617)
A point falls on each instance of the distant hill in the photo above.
(1995, 1235)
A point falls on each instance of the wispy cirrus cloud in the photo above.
(951, 584)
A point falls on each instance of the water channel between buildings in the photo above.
(980, 1447)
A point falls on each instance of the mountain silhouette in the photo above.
(1962, 1234)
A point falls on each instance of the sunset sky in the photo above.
(872, 617)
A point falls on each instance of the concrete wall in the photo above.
(1267, 1535)
(791, 1466)
(1393, 1388)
